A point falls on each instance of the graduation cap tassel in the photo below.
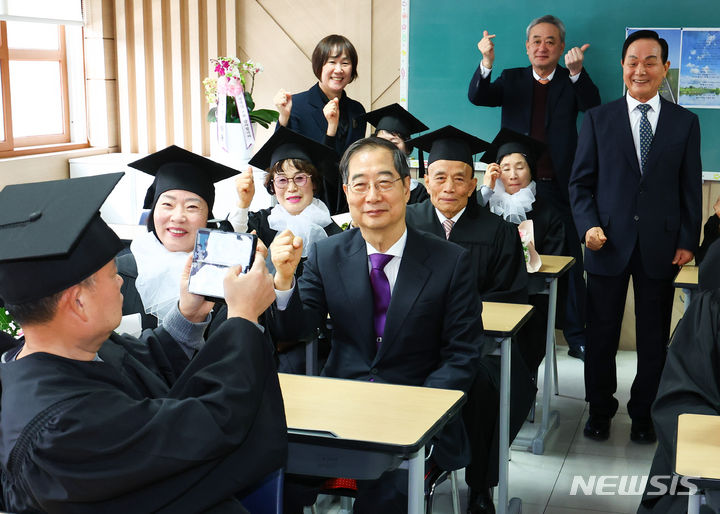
(421, 164)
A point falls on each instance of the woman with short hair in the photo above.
(325, 113)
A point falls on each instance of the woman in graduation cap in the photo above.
(396, 124)
(509, 191)
(180, 200)
(293, 163)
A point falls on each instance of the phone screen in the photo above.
(215, 251)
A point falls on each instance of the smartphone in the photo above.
(215, 251)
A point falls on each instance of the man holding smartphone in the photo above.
(97, 422)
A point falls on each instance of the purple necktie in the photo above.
(381, 293)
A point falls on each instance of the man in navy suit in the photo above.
(430, 314)
(543, 100)
(635, 192)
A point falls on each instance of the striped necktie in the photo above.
(448, 226)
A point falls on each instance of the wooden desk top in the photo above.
(504, 319)
(554, 265)
(687, 277)
(697, 450)
(371, 413)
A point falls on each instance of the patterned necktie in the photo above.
(381, 293)
(646, 135)
(448, 226)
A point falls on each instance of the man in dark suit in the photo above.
(543, 101)
(415, 319)
(500, 275)
(635, 192)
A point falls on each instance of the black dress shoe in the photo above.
(642, 432)
(480, 501)
(597, 428)
(578, 352)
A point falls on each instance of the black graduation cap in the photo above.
(448, 143)
(288, 144)
(394, 118)
(508, 141)
(177, 168)
(52, 235)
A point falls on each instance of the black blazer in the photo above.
(433, 321)
(308, 119)
(433, 328)
(660, 209)
(513, 90)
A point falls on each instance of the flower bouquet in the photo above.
(527, 238)
(231, 83)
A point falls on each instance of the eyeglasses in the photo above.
(281, 181)
(363, 188)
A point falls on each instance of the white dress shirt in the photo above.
(455, 218)
(635, 116)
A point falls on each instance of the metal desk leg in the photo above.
(555, 373)
(694, 502)
(549, 420)
(416, 482)
(504, 450)
(311, 357)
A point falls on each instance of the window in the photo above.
(35, 107)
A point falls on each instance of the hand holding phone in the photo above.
(215, 251)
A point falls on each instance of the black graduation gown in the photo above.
(494, 244)
(501, 276)
(145, 430)
(690, 383)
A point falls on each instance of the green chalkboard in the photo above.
(443, 52)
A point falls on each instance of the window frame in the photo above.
(26, 145)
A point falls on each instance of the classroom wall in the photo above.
(163, 49)
(444, 54)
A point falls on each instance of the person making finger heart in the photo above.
(543, 101)
(324, 112)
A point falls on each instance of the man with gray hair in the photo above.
(403, 304)
(543, 101)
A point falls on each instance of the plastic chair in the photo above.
(266, 497)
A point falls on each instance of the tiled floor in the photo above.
(544, 482)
